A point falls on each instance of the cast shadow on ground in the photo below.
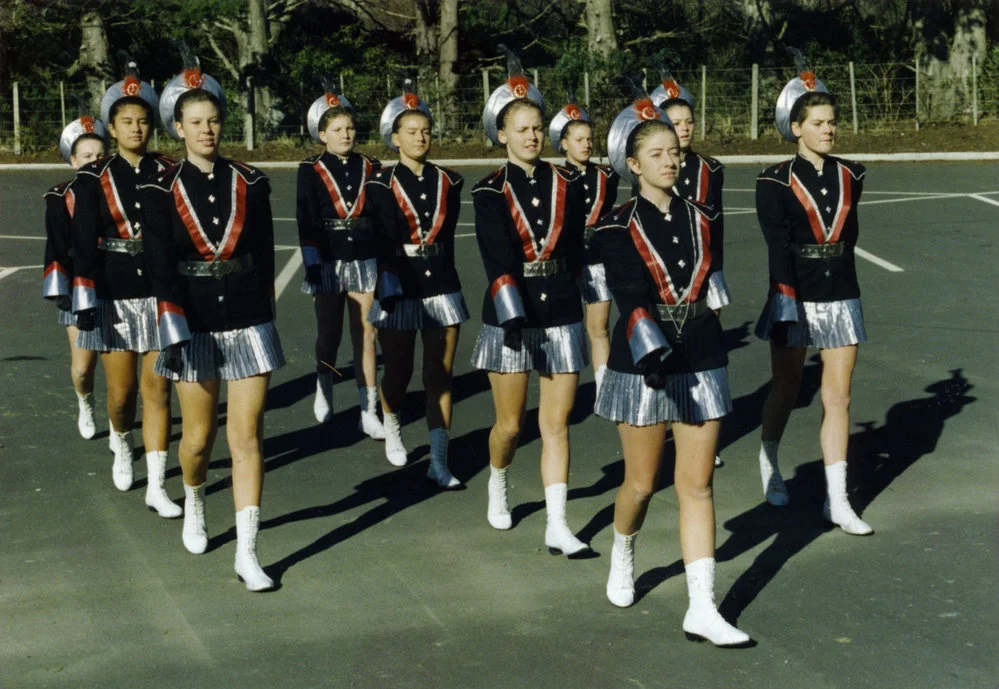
(878, 455)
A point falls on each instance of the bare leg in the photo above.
(597, 317)
(837, 375)
(558, 392)
(695, 465)
(83, 364)
(643, 449)
(362, 335)
(123, 388)
(510, 401)
(199, 424)
(155, 405)
(245, 433)
(439, 346)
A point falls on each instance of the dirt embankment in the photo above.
(930, 138)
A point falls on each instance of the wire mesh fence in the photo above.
(873, 98)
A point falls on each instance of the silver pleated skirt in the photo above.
(593, 284)
(439, 311)
(345, 276)
(229, 354)
(687, 398)
(122, 325)
(561, 349)
(66, 317)
(821, 324)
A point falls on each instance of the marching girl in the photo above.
(700, 177)
(667, 361)
(807, 208)
(339, 253)
(572, 134)
(211, 227)
(82, 141)
(529, 225)
(112, 296)
(415, 206)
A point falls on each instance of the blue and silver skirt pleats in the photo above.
(439, 311)
(687, 398)
(66, 317)
(345, 276)
(561, 349)
(123, 325)
(821, 324)
(593, 284)
(229, 354)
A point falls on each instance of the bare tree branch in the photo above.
(219, 53)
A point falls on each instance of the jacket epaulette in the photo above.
(714, 165)
(857, 171)
(492, 182)
(780, 173)
(97, 167)
(383, 175)
(453, 177)
(165, 161)
(567, 172)
(606, 169)
(250, 174)
(59, 189)
(619, 216)
(164, 181)
(311, 160)
(704, 209)
(371, 159)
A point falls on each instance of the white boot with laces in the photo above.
(195, 533)
(498, 511)
(124, 455)
(621, 582)
(322, 406)
(85, 421)
(558, 537)
(395, 451)
(837, 508)
(247, 566)
(370, 425)
(703, 621)
(156, 495)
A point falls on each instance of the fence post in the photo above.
(853, 98)
(439, 111)
(341, 82)
(535, 73)
(17, 120)
(704, 98)
(485, 98)
(754, 127)
(251, 116)
(62, 102)
(645, 80)
(974, 90)
(586, 88)
(388, 86)
(917, 93)
(156, 130)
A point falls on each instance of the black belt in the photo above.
(339, 224)
(215, 269)
(132, 247)
(422, 250)
(669, 312)
(544, 269)
(821, 250)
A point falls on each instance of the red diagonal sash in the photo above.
(114, 205)
(70, 203)
(703, 176)
(234, 227)
(843, 206)
(412, 217)
(656, 267)
(704, 229)
(598, 198)
(533, 251)
(333, 189)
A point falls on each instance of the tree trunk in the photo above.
(94, 61)
(448, 35)
(600, 36)
(946, 39)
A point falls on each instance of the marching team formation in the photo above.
(166, 270)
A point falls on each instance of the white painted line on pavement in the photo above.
(21, 236)
(911, 198)
(979, 197)
(890, 267)
(5, 272)
(287, 273)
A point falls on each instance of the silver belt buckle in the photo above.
(218, 269)
(133, 247)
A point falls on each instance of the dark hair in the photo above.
(397, 125)
(126, 101)
(799, 111)
(675, 102)
(329, 115)
(515, 105)
(572, 123)
(89, 136)
(194, 96)
(643, 131)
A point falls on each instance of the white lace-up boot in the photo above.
(156, 495)
(195, 533)
(498, 512)
(370, 425)
(85, 421)
(703, 621)
(837, 508)
(322, 407)
(395, 451)
(558, 537)
(621, 582)
(247, 566)
(124, 455)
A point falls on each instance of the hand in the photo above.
(653, 370)
(388, 302)
(314, 274)
(64, 302)
(172, 357)
(85, 319)
(511, 335)
(778, 333)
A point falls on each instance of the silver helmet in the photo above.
(516, 87)
(396, 107)
(571, 112)
(639, 111)
(668, 89)
(84, 124)
(330, 99)
(191, 77)
(131, 85)
(805, 82)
